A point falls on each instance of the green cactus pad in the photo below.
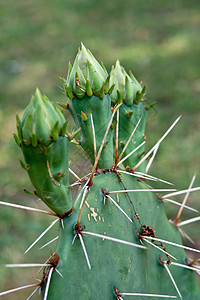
(107, 237)
(100, 110)
(127, 123)
(128, 268)
(44, 174)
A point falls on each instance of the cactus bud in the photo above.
(86, 76)
(125, 85)
(41, 121)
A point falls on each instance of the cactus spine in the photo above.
(107, 245)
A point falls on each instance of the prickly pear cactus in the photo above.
(115, 241)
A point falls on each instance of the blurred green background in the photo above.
(158, 40)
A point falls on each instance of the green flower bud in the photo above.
(42, 121)
(126, 87)
(86, 76)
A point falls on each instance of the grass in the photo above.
(157, 40)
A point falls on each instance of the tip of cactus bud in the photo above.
(38, 93)
(83, 46)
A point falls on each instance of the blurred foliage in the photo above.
(157, 39)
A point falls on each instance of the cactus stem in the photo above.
(103, 142)
(84, 250)
(152, 244)
(28, 208)
(151, 159)
(111, 199)
(51, 175)
(105, 237)
(127, 143)
(184, 200)
(171, 243)
(133, 151)
(179, 204)
(148, 295)
(172, 279)
(158, 143)
(43, 233)
(33, 293)
(184, 266)
(94, 137)
(117, 140)
(75, 175)
(48, 283)
(27, 265)
(53, 240)
(189, 221)
(182, 192)
(139, 190)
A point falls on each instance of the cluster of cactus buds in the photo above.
(115, 240)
